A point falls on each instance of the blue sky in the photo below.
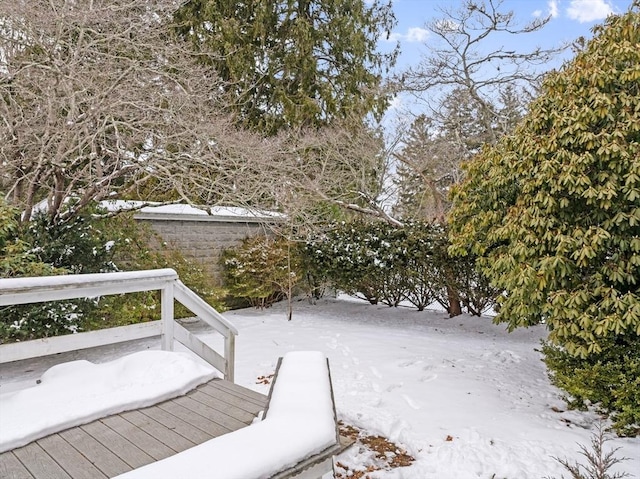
(570, 20)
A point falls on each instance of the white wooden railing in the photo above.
(55, 288)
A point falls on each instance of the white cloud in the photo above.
(536, 13)
(413, 35)
(589, 10)
(416, 34)
(553, 8)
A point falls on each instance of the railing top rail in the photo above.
(56, 288)
(43, 283)
(202, 308)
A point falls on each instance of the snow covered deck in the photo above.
(122, 442)
(52, 430)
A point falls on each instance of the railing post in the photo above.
(166, 305)
(230, 356)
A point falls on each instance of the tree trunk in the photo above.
(455, 309)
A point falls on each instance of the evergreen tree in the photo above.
(295, 62)
(434, 149)
(413, 173)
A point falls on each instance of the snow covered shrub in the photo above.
(360, 259)
(441, 277)
(79, 245)
(262, 270)
(16, 258)
(609, 380)
(380, 262)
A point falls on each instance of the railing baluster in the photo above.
(229, 355)
(166, 305)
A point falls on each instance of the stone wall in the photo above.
(201, 237)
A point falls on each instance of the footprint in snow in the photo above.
(411, 362)
(412, 404)
(333, 344)
(428, 378)
(394, 386)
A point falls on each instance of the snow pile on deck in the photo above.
(300, 422)
(79, 392)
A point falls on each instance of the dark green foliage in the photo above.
(79, 246)
(88, 243)
(262, 270)
(356, 260)
(293, 63)
(16, 258)
(383, 263)
(609, 379)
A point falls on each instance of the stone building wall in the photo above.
(203, 238)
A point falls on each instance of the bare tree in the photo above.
(294, 172)
(461, 55)
(99, 100)
(96, 97)
(473, 90)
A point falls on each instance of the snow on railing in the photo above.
(56, 288)
(297, 436)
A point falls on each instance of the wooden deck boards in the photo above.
(119, 443)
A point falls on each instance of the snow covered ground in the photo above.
(465, 398)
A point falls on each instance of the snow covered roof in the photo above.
(192, 213)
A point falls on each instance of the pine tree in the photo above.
(434, 149)
(295, 62)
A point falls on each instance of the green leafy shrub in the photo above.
(553, 211)
(16, 257)
(82, 244)
(137, 247)
(356, 259)
(609, 380)
(39, 248)
(262, 270)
